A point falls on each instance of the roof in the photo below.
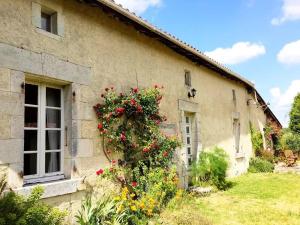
(198, 57)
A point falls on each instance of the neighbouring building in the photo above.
(56, 56)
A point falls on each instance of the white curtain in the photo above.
(53, 142)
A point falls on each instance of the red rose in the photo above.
(145, 150)
(114, 161)
(135, 90)
(99, 172)
(132, 102)
(120, 111)
(100, 126)
(165, 154)
(139, 109)
(134, 183)
(122, 137)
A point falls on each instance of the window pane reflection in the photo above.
(30, 164)
(52, 162)
(30, 140)
(53, 118)
(52, 140)
(53, 97)
(31, 94)
(31, 117)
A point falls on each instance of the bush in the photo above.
(290, 141)
(18, 210)
(256, 140)
(267, 155)
(258, 165)
(211, 169)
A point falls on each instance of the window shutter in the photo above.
(36, 14)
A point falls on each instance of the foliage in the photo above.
(259, 165)
(267, 155)
(290, 141)
(2, 184)
(294, 124)
(19, 210)
(129, 124)
(257, 140)
(102, 212)
(211, 168)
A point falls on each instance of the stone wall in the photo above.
(97, 51)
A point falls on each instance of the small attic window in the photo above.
(187, 78)
(49, 20)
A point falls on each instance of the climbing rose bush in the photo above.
(130, 126)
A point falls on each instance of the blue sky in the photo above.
(259, 39)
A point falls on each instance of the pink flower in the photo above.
(99, 172)
(165, 154)
(114, 161)
(145, 150)
(134, 183)
(135, 90)
(122, 137)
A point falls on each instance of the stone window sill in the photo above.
(52, 189)
(48, 34)
(240, 155)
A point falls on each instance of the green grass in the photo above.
(255, 199)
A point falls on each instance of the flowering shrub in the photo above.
(129, 124)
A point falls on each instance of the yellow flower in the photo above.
(132, 195)
(133, 208)
(117, 198)
(120, 208)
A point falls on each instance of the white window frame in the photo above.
(41, 175)
(188, 136)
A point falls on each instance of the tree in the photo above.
(295, 116)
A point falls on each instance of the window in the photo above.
(43, 131)
(237, 134)
(188, 139)
(49, 20)
(187, 78)
(234, 97)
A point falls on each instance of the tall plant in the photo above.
(257, 140)
(294, 124)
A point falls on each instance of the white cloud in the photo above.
(238, 53)
(282, 101)
(139, 6)
(290, 12)
(290, 53)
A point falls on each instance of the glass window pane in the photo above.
(30, 164)
(189, 150)
(52, 140)
(30, 140)
(188, 140)
(190, 161)
(46, 22)
(31, 94)
(53, 118)
(187, 119)
(52, 162)
(187, 130)
(31, 117)
(53, 97)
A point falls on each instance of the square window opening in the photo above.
(49, 20)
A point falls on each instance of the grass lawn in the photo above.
(264, 199)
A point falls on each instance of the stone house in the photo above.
(56, 56)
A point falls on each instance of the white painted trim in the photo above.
(41, 175)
